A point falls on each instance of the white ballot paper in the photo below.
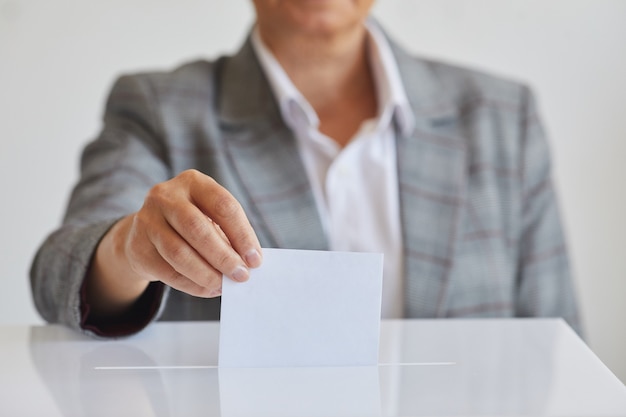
(303, 308)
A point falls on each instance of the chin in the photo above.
(314, 17)
(324, 24)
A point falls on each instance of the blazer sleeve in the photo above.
(117, 170)
(545, 286)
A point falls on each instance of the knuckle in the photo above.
(179, 254)
(157, 196)
(174, 279)
(212, 293)
(223, 261)
(243, 237)
(193, 177)
(197, 227)
(226, 206)
(189, 175)
(203, 292)
(140, 221)
(211, 285)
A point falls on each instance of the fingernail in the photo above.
(253, 258)
(240, 274)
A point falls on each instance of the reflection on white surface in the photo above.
(494, 367)
(130, 377)
(498, 370)
(108, 393)
(294, 392)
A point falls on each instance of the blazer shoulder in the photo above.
(196, 79)
(444, 85)
(190, 74)
(466, 84)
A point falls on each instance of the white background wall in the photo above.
(58, 59)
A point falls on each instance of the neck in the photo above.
(323, 68)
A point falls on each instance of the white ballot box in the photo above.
(501, 367)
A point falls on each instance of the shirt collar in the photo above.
(296, 110)
(390, 90)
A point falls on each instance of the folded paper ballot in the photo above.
(303, 308)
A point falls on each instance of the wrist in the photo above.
(111, 284)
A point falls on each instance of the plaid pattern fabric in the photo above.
(481, 230)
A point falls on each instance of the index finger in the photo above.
(217, 203)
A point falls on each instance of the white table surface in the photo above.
(527, 367)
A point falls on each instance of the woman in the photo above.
(319, 133)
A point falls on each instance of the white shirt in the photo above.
(355, 188)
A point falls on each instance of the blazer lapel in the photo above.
(264, 154)
(432, 186)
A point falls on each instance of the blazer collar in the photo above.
(246, 97)
(264, 154)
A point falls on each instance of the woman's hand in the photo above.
(188, 233)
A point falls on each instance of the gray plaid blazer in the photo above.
(481, 229)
